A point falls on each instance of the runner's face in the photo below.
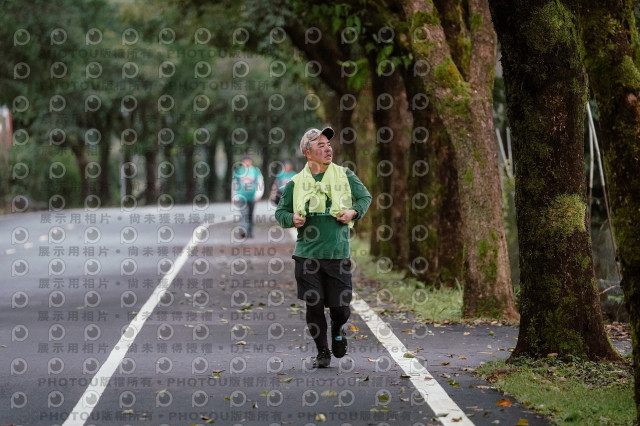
(320, 151)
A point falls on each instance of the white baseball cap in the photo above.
(313, 134)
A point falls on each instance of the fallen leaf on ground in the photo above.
(504, 403)
(522, 422)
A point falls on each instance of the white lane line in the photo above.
(436, 397)
(89, 399)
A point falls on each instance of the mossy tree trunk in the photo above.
(127, 156)
(393, 136)
(459, 84)
(80, 152)
(104, 190)
(189, 182)
(212, 179)
(151, 160)
(546, 89)
(151, 166)
(365, 130)
(612, 59)
(433, 218)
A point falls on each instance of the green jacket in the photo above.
(322, 236)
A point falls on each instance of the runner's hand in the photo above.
(346, 216)
(298, 220)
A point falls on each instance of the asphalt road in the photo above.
(115, 317)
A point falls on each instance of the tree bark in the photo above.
(433, 219)
(150, 152)
(212, 179)
(126, 159)
(611, 45)
(80, 152)
(365, 131)
(189, 181)
(392, 120)
(151, 192)
(465, 107)
(104, 192)
(127, 156)
(546, 89)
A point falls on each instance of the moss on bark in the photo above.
(457, 98)
(564, 216)
(428, 18)
(475, 21)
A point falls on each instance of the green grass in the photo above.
(570, 393)
(406, 293)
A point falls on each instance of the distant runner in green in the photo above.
(247, 187)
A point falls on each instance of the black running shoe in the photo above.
(323, 359)
(339, 343)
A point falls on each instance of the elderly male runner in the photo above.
(322, 201)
